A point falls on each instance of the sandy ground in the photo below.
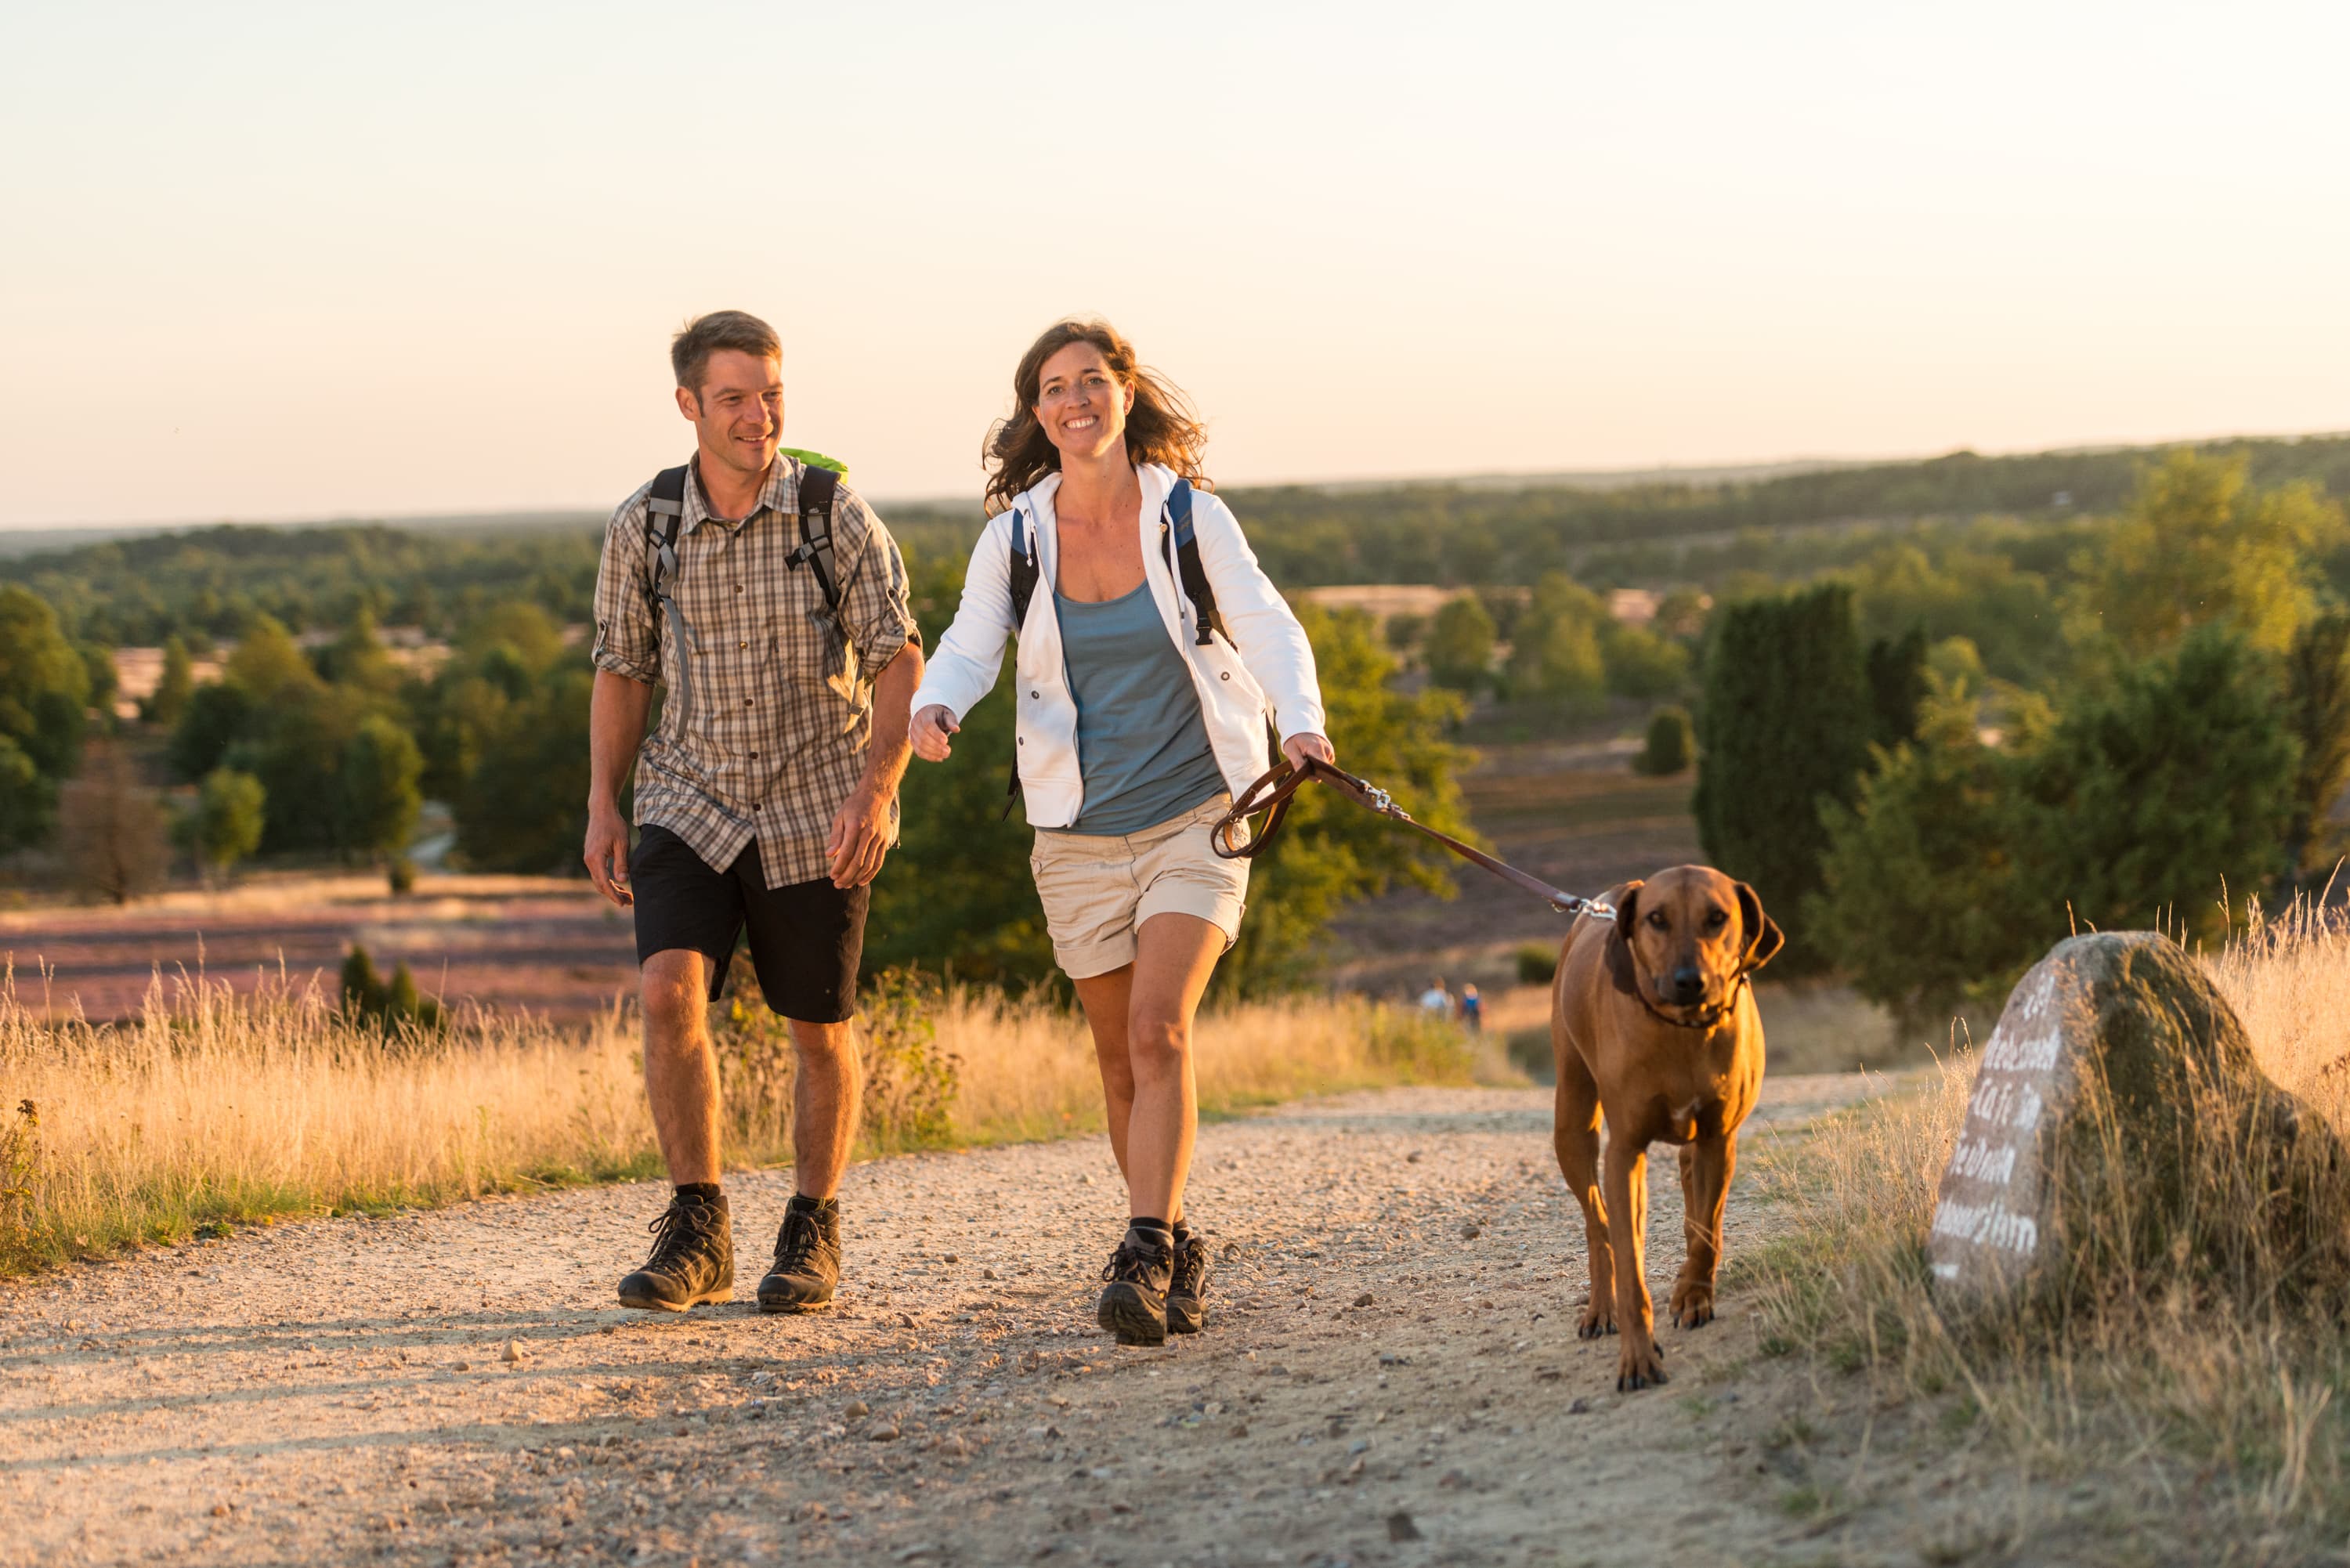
(1377, 1385)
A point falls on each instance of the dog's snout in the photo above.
(1688, 984)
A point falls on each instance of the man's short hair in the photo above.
(690, 350)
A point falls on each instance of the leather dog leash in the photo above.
(1271, 794)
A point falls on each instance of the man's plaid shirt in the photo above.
(766, 736)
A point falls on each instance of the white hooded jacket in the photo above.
(1271, 671)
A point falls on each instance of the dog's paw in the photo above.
(1597, 1322)
(1640, 1366)
(1692, 1305)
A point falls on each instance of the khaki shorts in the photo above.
(1098, 888)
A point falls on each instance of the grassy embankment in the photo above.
(214, 1108)
(2177, 1392)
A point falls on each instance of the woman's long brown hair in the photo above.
(1161, 428)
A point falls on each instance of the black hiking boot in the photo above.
(1187, 1288)
(807, 1258)
(693, 1261)
(1134, 1298)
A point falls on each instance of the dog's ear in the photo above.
(1763, 938)
(1620, 971)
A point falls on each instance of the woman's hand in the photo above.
(1299, 747)
(933, 725)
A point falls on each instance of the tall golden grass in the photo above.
(2168, 1373)
(213, 1107)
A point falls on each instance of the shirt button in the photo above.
(742, 644)
(1227, 675)
(746, 702)
(738, 588)
(1038, 694)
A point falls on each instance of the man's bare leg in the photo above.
(680, 1067)
(693, 1248)
(827, 1091)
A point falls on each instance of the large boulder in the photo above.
(2119, 1132)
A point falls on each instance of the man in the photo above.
(767, 796)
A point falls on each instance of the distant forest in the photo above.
(210, 583)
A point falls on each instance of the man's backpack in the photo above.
(665, 515)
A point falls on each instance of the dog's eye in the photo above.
(1660, 922)
(1715, 920)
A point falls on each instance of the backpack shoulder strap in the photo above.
(817, 488)
(1023, 583)
(1180, 543)
(664, 515)
(1023, 569)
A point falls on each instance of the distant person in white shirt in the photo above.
(1436, 999)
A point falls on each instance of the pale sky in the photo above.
(282, 261)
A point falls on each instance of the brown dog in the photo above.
(1652, 1023)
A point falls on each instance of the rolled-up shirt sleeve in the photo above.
(874, 608)
(628, 618)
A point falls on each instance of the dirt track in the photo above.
(1373, 1387)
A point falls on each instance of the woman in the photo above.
(1136, 726)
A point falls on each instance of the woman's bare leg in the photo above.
(1174, 958)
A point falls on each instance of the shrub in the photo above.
(394, 1008)
(1671, 744)
(1537, 965)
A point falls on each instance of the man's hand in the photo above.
(1299, 747)
(608, 852)
(860, 837)
(933, 725)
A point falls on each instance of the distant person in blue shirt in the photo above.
(1472, 1010)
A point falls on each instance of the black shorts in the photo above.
(807, 937)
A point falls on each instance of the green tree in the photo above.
(956, 893)
(218, 715)
(358, 658)
(1897, 685)
(380, 766)
(2172, 789)
(1925, 899)
(1641, 664)
(2199, 547)
(268, 663)
(1556, 655)
(525, 805)
(1460, 649)
(164, 705)
(2317, 712)
(1784, 730)
(225, 824)
(44, 686)
(27, 801)
(102, 680)
(1330, 852)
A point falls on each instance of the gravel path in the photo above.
(1377, 1385)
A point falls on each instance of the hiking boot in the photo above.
(693, 1261)
(1187, 1288)
(807, 1258)
(1134, 1300)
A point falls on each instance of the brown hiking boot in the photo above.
(807, 1258)
(1134, 1298)
(693, 1261)
(1186, 1286)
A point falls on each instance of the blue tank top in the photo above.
(1142, 748)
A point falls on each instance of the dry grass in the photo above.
(214, 1108)
(2197, 1383)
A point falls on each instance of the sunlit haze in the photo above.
(281, 261)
